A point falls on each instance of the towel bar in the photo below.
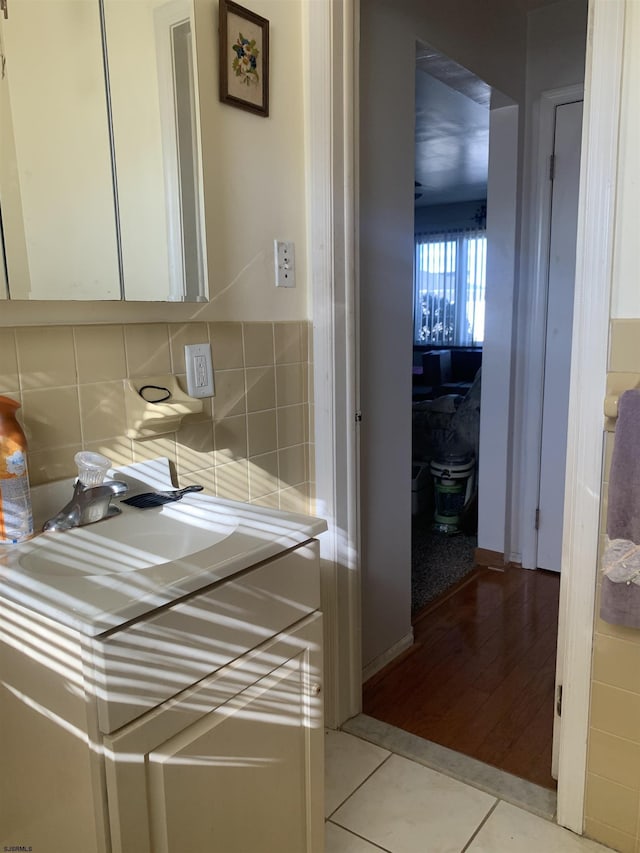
(617, 384)
(611, 405)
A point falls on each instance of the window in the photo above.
(449, 288)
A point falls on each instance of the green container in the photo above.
(453, 487)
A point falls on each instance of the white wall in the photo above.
(503, 216)
(458, 215)
(486, 38)
(556, 45)
(625, 298)
(388, 35)
(386, 253)
(254, 173)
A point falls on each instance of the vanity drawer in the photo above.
(150, 661)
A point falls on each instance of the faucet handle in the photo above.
(92, 467)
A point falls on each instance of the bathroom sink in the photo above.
(134, 540)
(97, 577)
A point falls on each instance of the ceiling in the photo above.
(452, 126)
(451, 138)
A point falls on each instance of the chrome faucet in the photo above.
(88, 504)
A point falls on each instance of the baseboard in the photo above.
(386, 657)
(489, 559)
(486, 559)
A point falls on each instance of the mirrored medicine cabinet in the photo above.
(100, 164)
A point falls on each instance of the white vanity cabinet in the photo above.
(228, 766)
(196, 728)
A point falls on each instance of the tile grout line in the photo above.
(275, 403)
(437, 765)
(361, 837)
(357, 788)
(481, 825)
(245, 387)
(476, 832)
(76, 367)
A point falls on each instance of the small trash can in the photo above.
(453, 487)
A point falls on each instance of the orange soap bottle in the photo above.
(16, 517)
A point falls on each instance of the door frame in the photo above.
(536, 316)
(331, 36)
(589, 356)
(331, 87)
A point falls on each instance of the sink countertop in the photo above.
(95, 603)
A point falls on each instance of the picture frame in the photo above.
(244, 58)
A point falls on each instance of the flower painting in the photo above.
(245, 62)
(244, 58)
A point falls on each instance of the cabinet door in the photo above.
(233, 765)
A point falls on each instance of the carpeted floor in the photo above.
(438, 560)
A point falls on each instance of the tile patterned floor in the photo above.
(379, 801)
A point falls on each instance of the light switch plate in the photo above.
(284, 257)
(197, 358)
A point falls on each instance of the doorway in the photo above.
(345, 556)
(480, 676)
(498, 513)
(452, 109)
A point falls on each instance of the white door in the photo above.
(562, 268)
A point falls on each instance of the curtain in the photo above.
(449, 288)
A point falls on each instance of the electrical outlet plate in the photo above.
(285, 263)
(197, 358)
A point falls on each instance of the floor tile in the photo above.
(339, 840)
(407, 808)
(348, 762)
(513, 830)
(496, 782)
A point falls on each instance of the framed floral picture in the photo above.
(244, 58)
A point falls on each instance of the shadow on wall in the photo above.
(252, 442)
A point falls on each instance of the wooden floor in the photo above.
(479, 678)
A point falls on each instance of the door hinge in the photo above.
(552, 166)
(358, 417)
(537, 522)
(4, 8)
(559, 700)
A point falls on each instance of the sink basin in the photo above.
(98, 577)
(129, 542)
(136, 539)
